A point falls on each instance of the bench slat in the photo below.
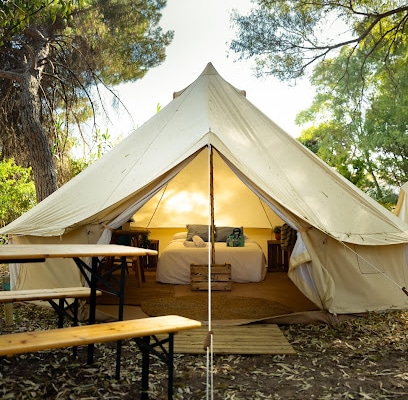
(7, 296)
(26, 342)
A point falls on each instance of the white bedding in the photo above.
(248, 263)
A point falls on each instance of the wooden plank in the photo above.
(214, 268)
(214, 278)
(219, 286)
(45, 294)
(27, 342)
(219, 277)
(242, 339)
(202, 270)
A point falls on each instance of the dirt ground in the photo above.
(364, 358)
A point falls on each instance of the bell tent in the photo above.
(350, 255)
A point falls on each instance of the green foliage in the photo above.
(122, 39)
(18, 15)
(386, 120)
(359, 126)
(17, 191)
(75, 166)
(285, 37)
(66, 49)
(103, 143)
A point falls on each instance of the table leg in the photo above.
(92, 282)
(92, 304)
(120, 316)
(122, 287)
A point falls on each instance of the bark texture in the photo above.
(41, 158)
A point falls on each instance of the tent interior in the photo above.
(186, 200)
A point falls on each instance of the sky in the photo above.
(201, 32)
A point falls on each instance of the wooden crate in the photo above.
(220, 277)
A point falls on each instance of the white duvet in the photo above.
(248, 263)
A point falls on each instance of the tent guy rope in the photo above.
(403, 288)
(157, 206)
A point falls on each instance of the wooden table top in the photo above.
(33, 251)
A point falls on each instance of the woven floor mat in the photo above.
(222, 307)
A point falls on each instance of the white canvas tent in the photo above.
(351, 253)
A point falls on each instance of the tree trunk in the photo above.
(41, 159)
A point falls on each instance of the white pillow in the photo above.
(180, 235)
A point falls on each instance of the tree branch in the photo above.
(12, 76)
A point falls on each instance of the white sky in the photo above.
(201, 31)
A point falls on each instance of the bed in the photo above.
(248, 263)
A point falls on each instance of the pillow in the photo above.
(198, 241)
(199, 230)
(222, 232)
(180, 235)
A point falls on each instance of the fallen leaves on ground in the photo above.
(362, 358)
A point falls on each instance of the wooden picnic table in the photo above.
(33, 253)
(12, 253)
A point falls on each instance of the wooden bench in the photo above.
(141, 330)
(62, 294)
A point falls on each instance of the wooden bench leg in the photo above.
(60, 310)
(62, 313)
(145, 367)
(75, 321)
(170, 366)
(165, 355)
(118, 357)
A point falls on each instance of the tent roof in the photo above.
(185, 200)
(210, 111)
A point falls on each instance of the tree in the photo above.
(387, 120)
(358, 53)
(359, 127)
(17, 192)
(52, 53)
(287, 36)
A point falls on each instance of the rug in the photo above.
(223, 307)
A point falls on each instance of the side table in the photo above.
(278, 260)
(150, 262)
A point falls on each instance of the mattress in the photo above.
(248, 263)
